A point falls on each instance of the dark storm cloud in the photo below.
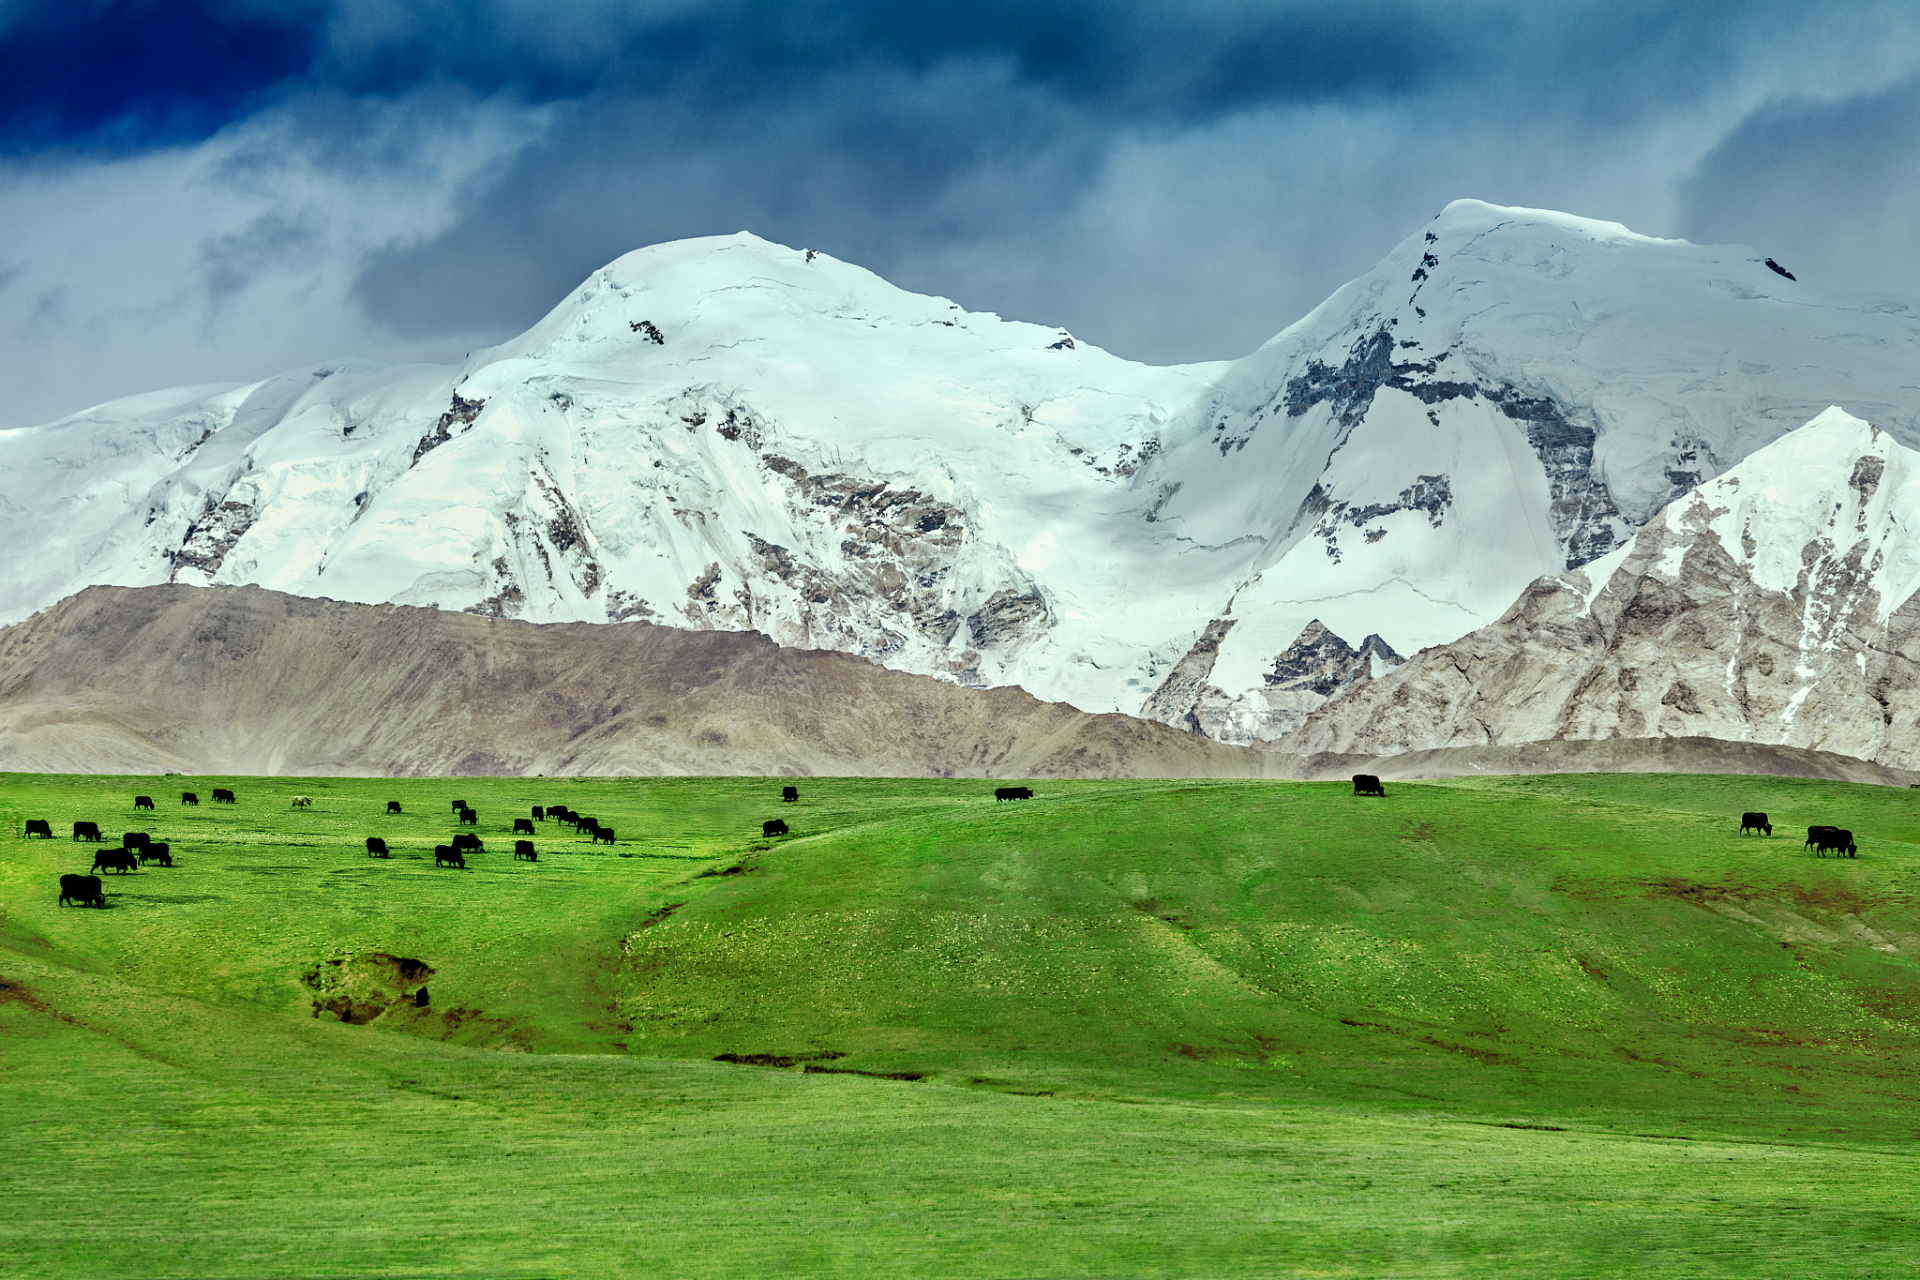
(1832, 189)
(1133, 59)
(288, 180)
(144, 71)
(1137, 60)
(893, 135)
(140, 72)
(127, 74)
(868, 177)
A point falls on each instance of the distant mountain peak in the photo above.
(730, 434)
(1778, 603)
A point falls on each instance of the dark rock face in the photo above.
(1430, 494)
(1177, 700)
(1368, 366)
(1317, 666)
(1321, 662)
(461, 415)
(1585, 519)
(1007, 618)
(210, 538)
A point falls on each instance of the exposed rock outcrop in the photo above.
(1316, 667)
(1775, 605)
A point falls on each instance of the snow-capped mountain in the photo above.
(1510, 393)
(1775, 604)
(727, 433)
(718, 433)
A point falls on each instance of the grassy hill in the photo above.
(1568, 1025)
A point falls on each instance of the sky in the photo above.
(201, 191)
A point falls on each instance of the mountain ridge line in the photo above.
(208, 680)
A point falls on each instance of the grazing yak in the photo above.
(458, 805)
(789, 793)
(135, 840)
(777, 827)
(1838, 839)
(156, 851)
(39, 827)
(302, 802)
(443, 856)
(189, 797)
(143, 802)
(377, 848)
(468, 842)
(121, 860)
(1013, 793)
(523, 826)
(559, 813)
(602, 833)
(223, 796)
(87, 831)
(1366, 784)
(523, 849)
(1755, 822)
(84, 890)
(469, 818)
(539, 814)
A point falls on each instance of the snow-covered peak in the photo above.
(734, 287)
(1510, 393)
(1837, 491)
(1775, 603)
(731, 433)
(1496, 235)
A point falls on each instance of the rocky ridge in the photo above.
(1775, 604)
(242, 680)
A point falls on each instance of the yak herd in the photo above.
(138, 848)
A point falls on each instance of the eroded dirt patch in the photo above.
(655, 916)
(359, 988)
(14, 993)
(784, 1061)
(815, 1069)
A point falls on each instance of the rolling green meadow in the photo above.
(1557, 1026)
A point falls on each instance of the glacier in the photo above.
(726, 433)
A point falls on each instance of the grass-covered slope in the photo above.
(1571, 1025)
(1601, 946)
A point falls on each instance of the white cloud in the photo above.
(232, 259)
(421, 225)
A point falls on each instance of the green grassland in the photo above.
(1567, 1026)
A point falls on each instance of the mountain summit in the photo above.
(1778, 603)
(730, 434)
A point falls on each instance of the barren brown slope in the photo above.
(243, 680)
